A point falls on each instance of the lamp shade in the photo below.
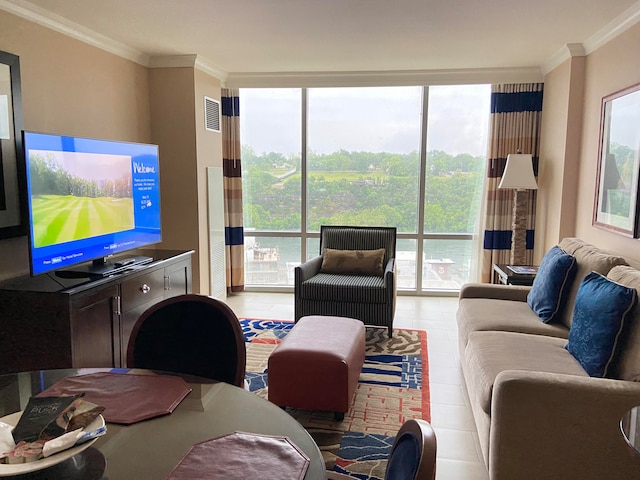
(518, 173)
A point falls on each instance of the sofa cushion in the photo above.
(488, 314)
(626, 364)
(548, 294)
(601, 308)
(352, 262)
(489, 353)
(589, 259)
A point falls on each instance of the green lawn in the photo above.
(61, 219)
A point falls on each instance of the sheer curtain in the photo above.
(232, 175)
(516, 111)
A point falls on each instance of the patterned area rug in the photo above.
(393, 387)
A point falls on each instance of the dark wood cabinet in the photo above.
(54, 322)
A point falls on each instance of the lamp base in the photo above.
(519, 228)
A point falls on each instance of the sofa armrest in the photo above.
(547, 425)
(498, 292)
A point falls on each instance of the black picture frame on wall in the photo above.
(13, 201)
(618, 177)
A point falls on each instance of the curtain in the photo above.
(516, 111)
(232, 177)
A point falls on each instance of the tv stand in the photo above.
(67, 321)
(103, 268)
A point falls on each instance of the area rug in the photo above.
(393, 387)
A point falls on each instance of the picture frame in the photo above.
(617, 183)
(13, 201)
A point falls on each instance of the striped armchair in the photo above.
(368, 297)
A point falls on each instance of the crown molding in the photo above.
(55, 22)
(384, 78)
(618, 25)
(190, 61)
(31, 12)
(565, 53)
(615, 27)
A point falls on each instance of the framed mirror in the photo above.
(616, 199)
(13, 206)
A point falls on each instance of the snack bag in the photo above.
(45, 418)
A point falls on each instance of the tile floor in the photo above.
(459, 456)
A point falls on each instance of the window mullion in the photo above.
(303, 175)
(421, 187)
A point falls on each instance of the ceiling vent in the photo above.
(211, 114)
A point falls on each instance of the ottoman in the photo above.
(317, 365)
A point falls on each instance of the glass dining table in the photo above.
(152, 448)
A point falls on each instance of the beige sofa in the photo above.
(538, 413)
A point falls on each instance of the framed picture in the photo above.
(616, 198)
(13, 206)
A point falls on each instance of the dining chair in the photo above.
(412, 456)
(191, 334)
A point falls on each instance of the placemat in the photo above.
(127, 398)
(242, 455)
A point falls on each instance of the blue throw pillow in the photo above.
(600, 311)
(550, 286)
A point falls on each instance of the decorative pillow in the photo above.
(626, 363)
(599, 314)
(548, 294)
(355, 262)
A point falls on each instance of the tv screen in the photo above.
(89, 199)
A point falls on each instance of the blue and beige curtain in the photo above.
(232, 175)
(516, 111)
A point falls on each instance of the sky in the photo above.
(372, 119)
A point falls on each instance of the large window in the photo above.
(409, 157)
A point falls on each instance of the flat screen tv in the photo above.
(88, 200)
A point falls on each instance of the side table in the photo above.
(504, 275)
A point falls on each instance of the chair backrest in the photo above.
(192, 334)
(413, 454)
(359, 238)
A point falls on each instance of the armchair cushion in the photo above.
(353, 262)
(345, 288)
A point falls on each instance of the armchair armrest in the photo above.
(308, 269)
(389, 271)
(547, 425)
(499, 292)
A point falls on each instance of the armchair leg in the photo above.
(390, 331)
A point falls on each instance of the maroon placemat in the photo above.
(127, 398)
(241, 455)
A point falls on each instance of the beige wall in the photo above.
(186, 150)
(73, 88)
(609, 69)
(209, 154)
(559, 154)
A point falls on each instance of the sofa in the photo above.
(541, 409)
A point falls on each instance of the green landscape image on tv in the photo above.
(79, 195)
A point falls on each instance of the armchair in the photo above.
(342, 282)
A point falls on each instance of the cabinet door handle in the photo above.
(145, 288)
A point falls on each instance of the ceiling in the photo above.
(296, 36)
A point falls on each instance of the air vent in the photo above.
(212, 114)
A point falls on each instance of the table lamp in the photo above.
(518, 175)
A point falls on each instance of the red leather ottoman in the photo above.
(317, 365)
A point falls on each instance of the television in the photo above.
(88, 200)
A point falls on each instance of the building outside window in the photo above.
(409, 157)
